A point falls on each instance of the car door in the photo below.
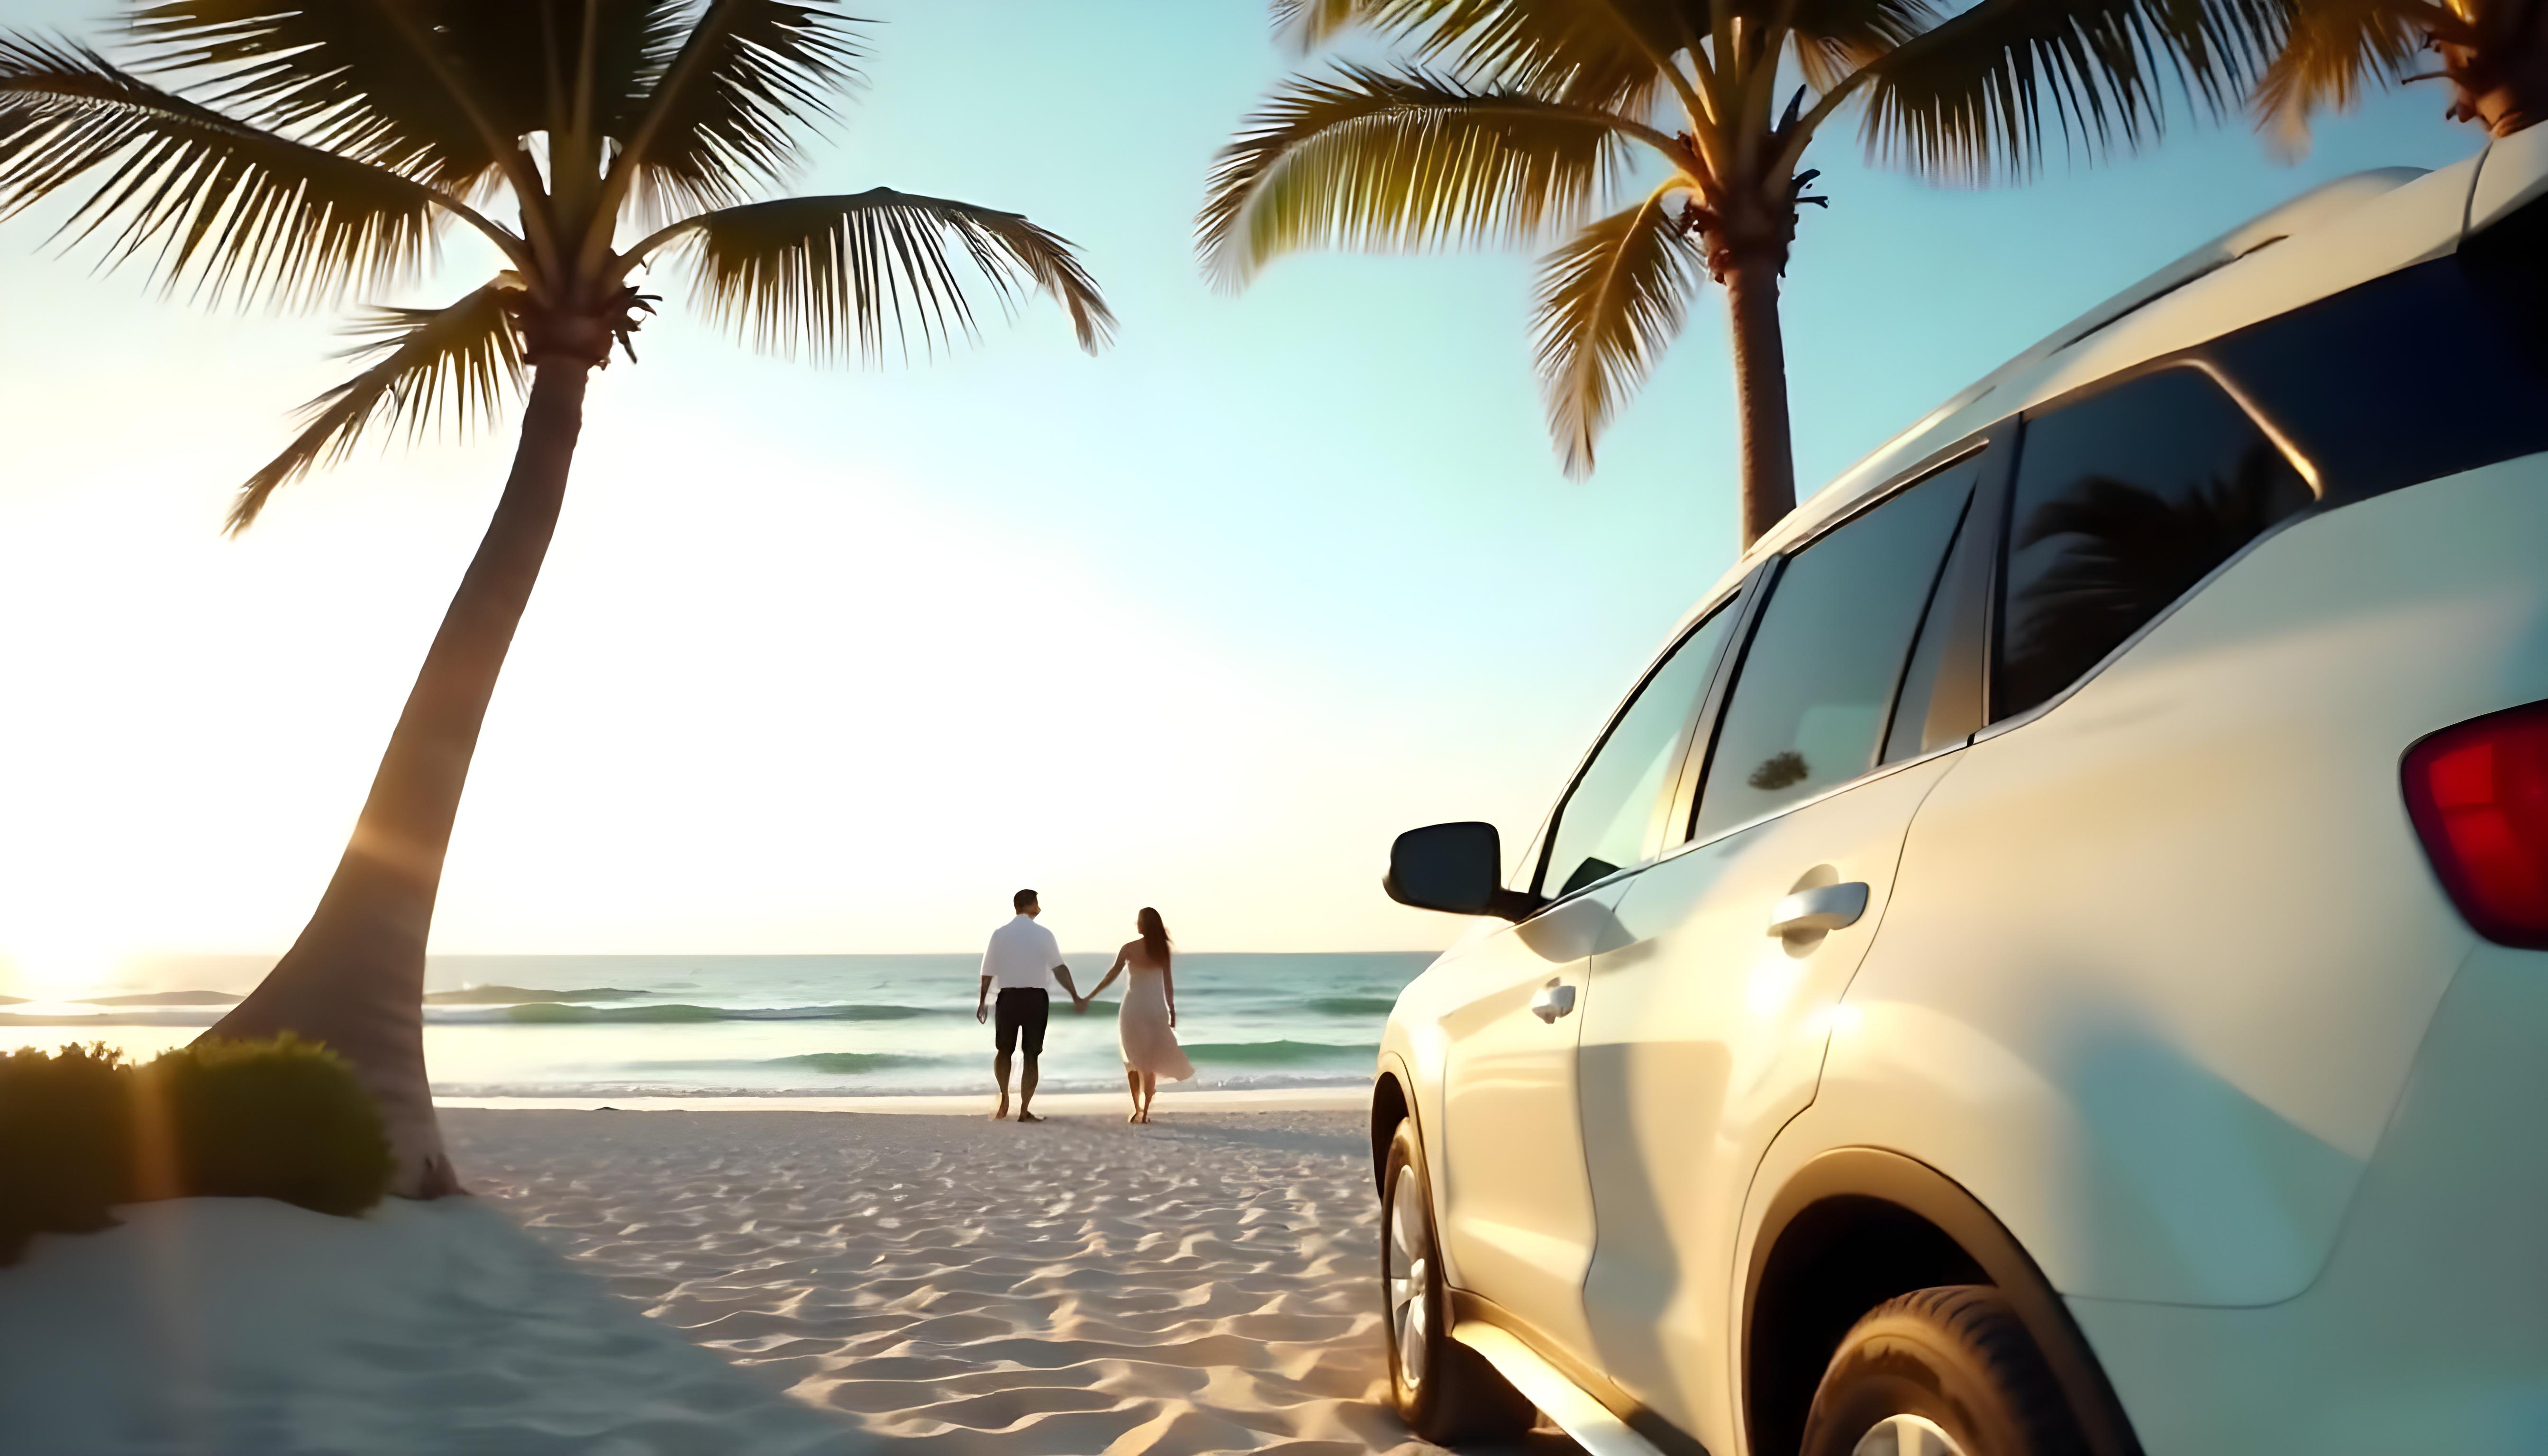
(1709, 1008)
(1516, 1212)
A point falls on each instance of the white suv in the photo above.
(2048, 959)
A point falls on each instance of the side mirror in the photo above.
(1457, 869)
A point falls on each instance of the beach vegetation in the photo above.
(1661, 143)
(281, 1119)
(66, 1141)
(83, 1129)
(296, 155)
(2492, 54)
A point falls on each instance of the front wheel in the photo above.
(1446, 1391)
(1940, 1372)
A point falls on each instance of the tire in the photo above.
(1444, 1390)
(1940, 1372)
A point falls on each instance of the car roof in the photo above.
(2328, 239)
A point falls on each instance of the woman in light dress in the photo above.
(1146, 1024)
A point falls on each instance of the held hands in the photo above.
(1079, 1005)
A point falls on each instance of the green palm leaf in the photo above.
(1609, 302)
(343, 75)
(1594, 52)
(2336, 51)
(727, 105)
(239, 210)
(1834, 38)
(1966, 99)
(1395, 160)
(811, 275)
(455, 366)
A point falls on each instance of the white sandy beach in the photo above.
(639, 1282)
(1202, 1283)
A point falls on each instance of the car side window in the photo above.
(1809, 707)
(1609, 820)
(2123, 501)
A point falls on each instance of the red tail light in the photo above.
(2479, 796)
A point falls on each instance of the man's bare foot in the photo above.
(1002, 1115)
(1024, 1116)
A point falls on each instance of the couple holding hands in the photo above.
(1024, 961)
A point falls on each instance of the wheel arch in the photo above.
(1855, 1226)
(1389, 1106)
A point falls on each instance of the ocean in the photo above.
(596, 1027)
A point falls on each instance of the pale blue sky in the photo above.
(826, 660)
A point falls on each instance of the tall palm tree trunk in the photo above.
(1760, 392)
(356, 978)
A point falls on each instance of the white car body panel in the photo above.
(1516, 1216)
(1704, 1036)
(2428, 1328)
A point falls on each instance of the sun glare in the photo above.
(55, 969)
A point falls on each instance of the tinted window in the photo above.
(1609, 818)
(2123, 501)
(1820, 672)
(2426, 372)
(1941, 700)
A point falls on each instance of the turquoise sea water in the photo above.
(820, 1026)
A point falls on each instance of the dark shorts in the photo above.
(1020, 1009)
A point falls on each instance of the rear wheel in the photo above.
(1446, 1391)
(1940, 1372)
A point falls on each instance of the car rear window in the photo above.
(2424, 373)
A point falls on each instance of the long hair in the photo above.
(1154, 935)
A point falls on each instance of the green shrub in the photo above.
(81, 1130)
(282, 1119)
(65, 1142)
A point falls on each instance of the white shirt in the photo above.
(1021, 955)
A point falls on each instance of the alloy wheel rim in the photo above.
(1906, 1435)
(1411, 1267)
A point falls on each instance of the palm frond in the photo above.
(236, 209)
(731, 98)
(1609, 302)
(1834, 38)
(455, 366)
(1594, 52)
(1395, 160)
(1311, 23)
(346, 75)
(2336, 51)
(1966, 99)
(806, 276)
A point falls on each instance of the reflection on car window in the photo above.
(2352, 377)
(1809, 706)
(2123, 501)
(1609, 818)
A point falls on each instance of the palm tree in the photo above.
(1516, 120)
(2494, 54)
(307, 151)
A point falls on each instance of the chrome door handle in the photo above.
(1825, 907)
(1553, 1001)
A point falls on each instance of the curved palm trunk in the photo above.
(356, 978)
(1761, 394)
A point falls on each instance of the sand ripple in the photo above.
(1201, 1284)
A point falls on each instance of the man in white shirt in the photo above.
(1023, 961)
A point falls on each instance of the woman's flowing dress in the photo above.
(1141, 1026)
